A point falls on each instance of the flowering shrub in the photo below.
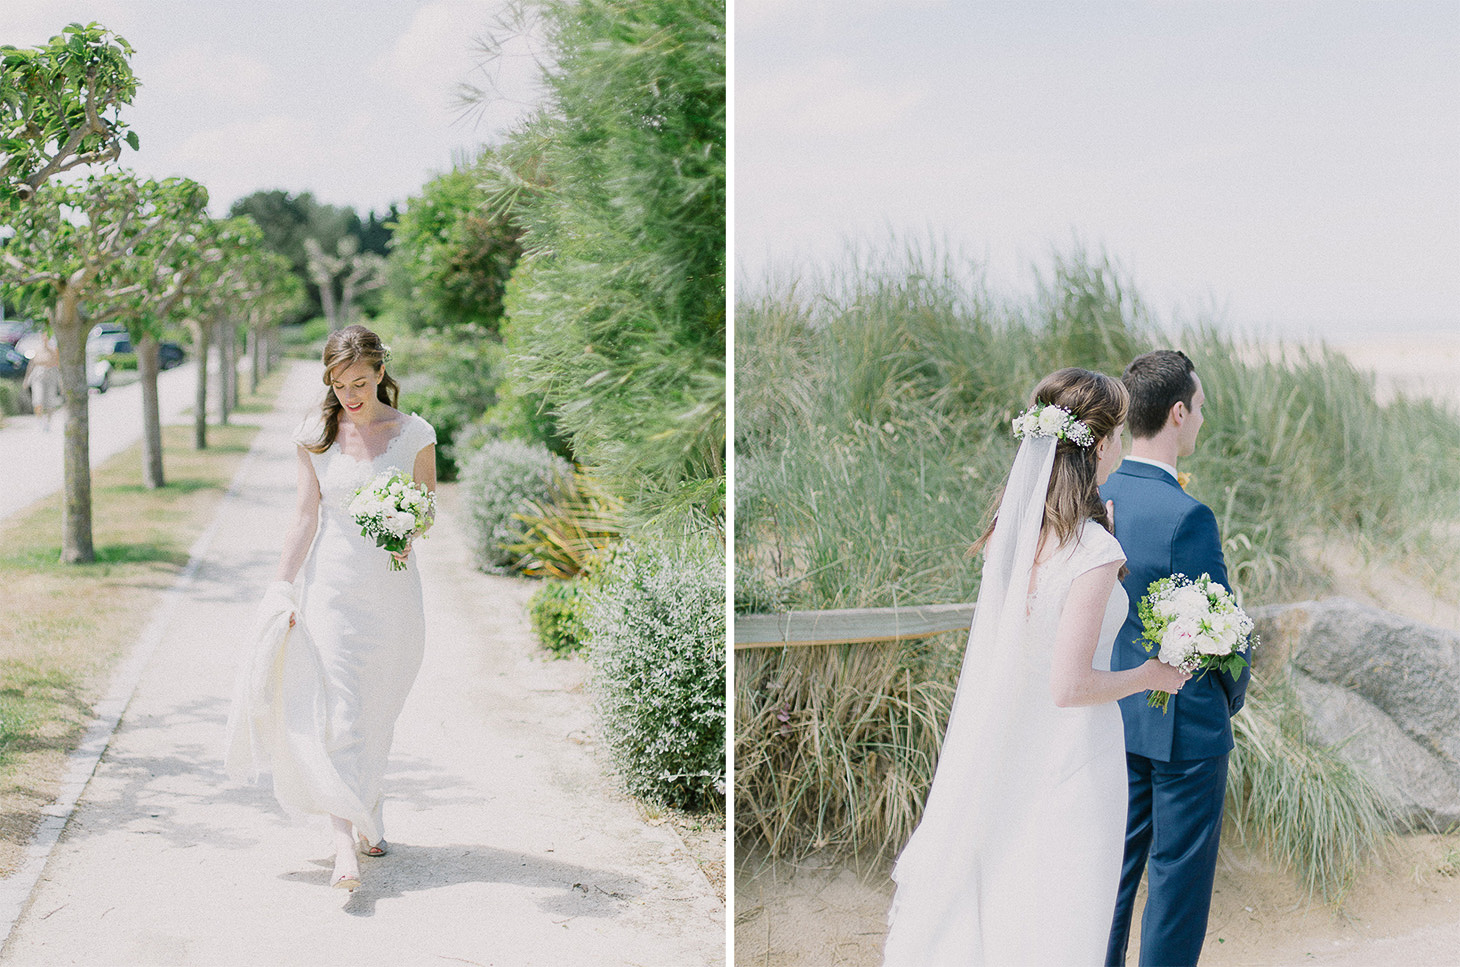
(556, 610)
(503, 478)
(656, 632)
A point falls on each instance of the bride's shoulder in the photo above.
(421, 430)
(309, 429)
(1099, 543)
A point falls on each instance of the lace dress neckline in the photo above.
(404, 424)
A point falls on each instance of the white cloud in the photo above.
(826, 97)
(225, 80)
(443, 49)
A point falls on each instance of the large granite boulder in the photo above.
(1384, 689)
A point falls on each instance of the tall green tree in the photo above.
(75, 269)
(456, 254)
(287, 221)
(60, 106)
(165, 267)
(616, 312)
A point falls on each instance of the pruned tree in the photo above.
(66, 255)
(60, 106)
(275, 293)
(353, 271)
(167, 268)
(235, 242)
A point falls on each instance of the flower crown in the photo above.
(1047, 419)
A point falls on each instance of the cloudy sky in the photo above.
(1294, 166)
(353, 101)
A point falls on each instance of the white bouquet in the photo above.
(392, 509)
(1196, 625)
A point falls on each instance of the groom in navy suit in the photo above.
(1177, 762)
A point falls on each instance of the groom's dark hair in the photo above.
(1157, 381)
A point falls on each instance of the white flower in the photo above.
(1052, 420)
(399, 523)
(1190, 602)
(1179, 641)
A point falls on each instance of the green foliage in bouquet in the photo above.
(556, 610)
(656, 627)
(1200, 629)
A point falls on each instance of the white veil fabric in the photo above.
(988, 773)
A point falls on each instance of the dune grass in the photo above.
(1308, 808)
(872, 419)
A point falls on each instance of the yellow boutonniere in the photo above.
(1182, 479)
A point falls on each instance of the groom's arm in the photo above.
(1197, 536)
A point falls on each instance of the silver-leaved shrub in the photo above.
(656, 633)
(499, 480)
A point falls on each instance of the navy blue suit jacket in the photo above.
(1164, 531)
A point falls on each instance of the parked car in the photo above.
(170, 354)
(11, 331)
(109, 350)
(12, 363)
(113, 343)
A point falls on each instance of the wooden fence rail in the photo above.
(849, 625)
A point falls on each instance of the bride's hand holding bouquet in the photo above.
(1197, 626)
(392, 509)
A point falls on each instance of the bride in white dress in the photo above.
(1017, 858)
(326, 698)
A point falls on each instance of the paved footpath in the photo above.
(510, 845)
(32, 455)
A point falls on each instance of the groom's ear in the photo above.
(1177, 414)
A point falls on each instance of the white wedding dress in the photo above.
(1017, 858)
(317, 705)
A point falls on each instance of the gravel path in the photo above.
(510, 845)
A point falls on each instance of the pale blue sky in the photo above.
(353, 101)
(1296, 165)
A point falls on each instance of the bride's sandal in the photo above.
(372, 849)
(346, 881)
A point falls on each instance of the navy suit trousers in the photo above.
(1175, 820)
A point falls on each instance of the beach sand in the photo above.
(1404, 910)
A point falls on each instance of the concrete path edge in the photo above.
(16, 891)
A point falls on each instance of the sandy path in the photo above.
(1404, 911)
(510, 844)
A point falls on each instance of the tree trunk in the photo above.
(254, 346)
(327, 303)
(200, 396)
(221, 338)
(70, 332)
(230, 381)
(147, 368)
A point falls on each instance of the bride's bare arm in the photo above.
(424, 472)
(306, 520)
(1072, 680)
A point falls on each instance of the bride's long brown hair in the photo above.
(344, 348)
(1100, 402)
